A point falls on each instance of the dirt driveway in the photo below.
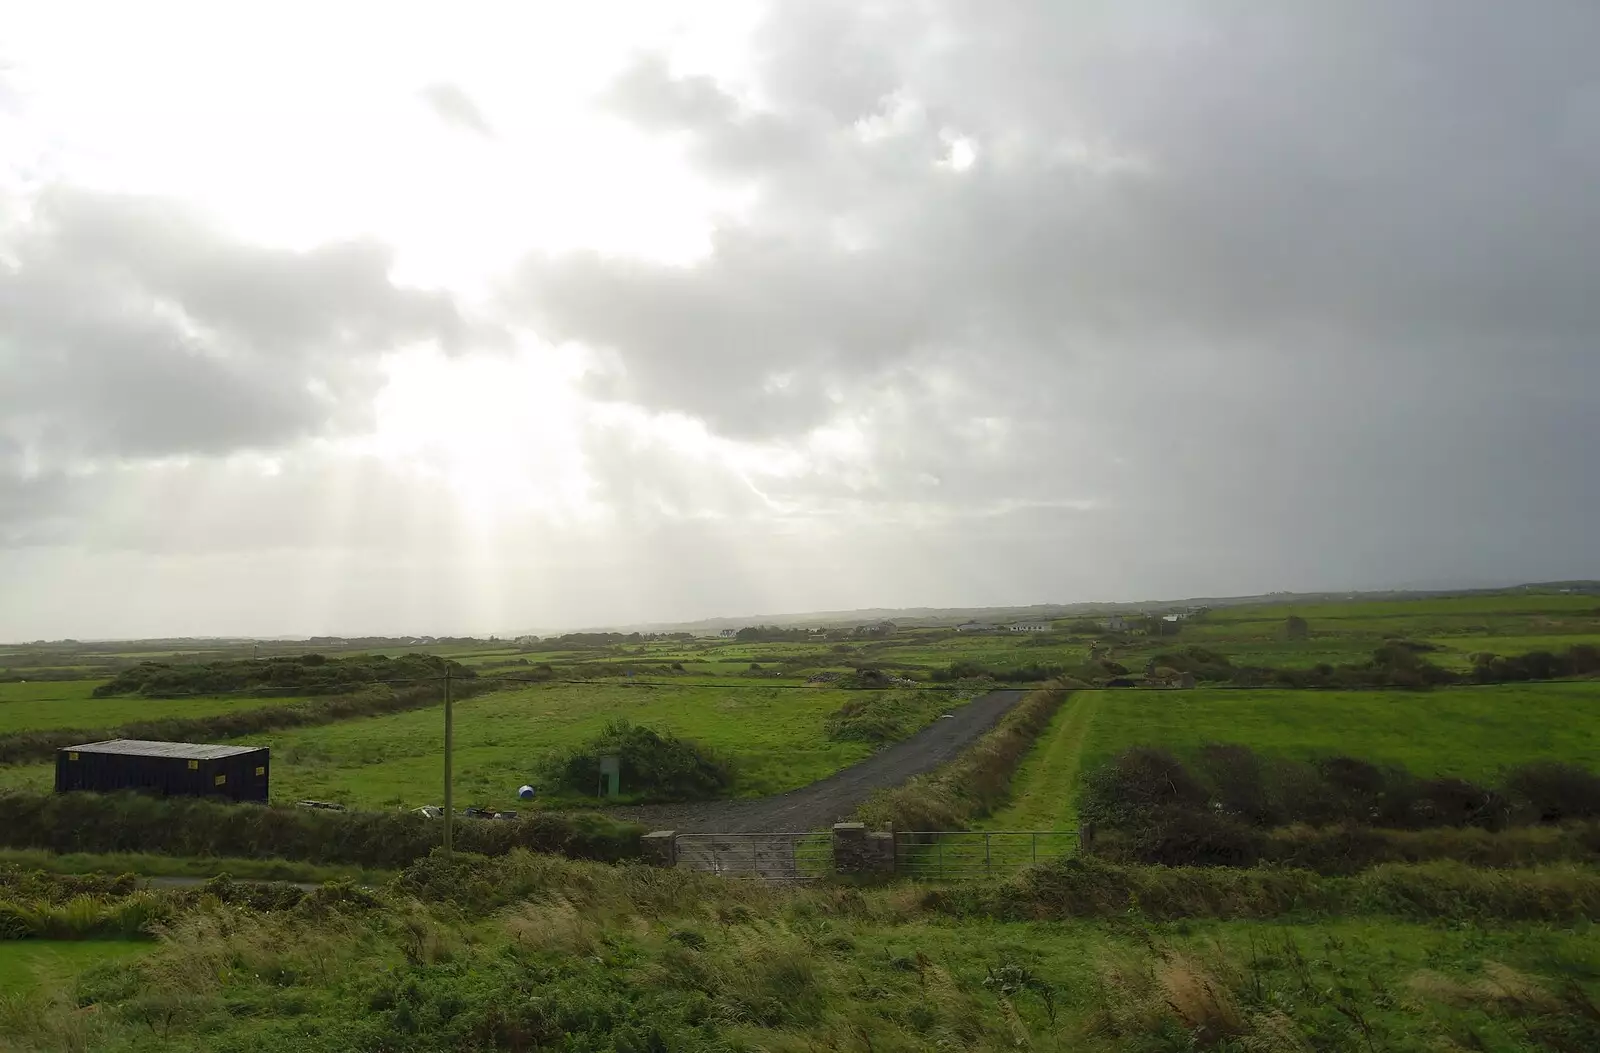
(831, 800)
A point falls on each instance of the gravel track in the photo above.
(831, 800)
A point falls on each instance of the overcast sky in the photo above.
(422, 318)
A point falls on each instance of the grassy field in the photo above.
(1467, 731)
(774, 734)
(51, 964)
(67, 704)
(1473, 732)
(543, 954)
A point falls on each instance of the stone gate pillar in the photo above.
(659, 848)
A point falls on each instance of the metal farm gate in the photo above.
(953, 855)
(774, 857)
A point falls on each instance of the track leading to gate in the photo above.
(831, 800)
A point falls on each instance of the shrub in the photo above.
(1552, 791)
(1156, 809)
(655, 766)
(887, 716)
(1138, 784)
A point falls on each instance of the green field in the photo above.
(771, 723)
(29, 964)
(603, 958)
(774, 734)
(1472, 732)
(66, 704)
(1468, 731)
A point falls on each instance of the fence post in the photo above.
(988, 865)
(1086, 837)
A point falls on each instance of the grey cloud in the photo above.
(1252, 188)
(1317, 274)
(451, 104)
(129, 327)
(650, 95)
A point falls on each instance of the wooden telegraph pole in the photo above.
(449, 750)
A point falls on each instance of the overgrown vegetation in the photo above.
(1217, 810)
(101, 823)
(1397, 663)
(310, 674)
(1031, 673)
(531, 952)
(654, 766)
(889, 716)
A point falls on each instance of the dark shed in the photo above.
(181, 768)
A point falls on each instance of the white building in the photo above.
(1031, 627)
(728, 634)
(974, 627)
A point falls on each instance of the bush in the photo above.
(1032, 673)
(1136, 786)
(655, 766)
(887, 716)
(1553, 792)
(1154, 808)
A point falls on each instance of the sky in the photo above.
(419, 318)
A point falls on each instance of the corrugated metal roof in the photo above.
(147, 748)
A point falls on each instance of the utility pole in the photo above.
(449, 750)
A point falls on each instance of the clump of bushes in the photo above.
(1217, 808)
(1032, 673)
(888, 716)
(1577, 660)
(310, 674)
(655, 766)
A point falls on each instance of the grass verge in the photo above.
(970, 786)
(1045, 789)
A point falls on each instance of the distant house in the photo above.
(1030, 627)
(1116, 623)
(728, 634)
(974, 627)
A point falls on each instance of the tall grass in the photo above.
(1092, 888)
